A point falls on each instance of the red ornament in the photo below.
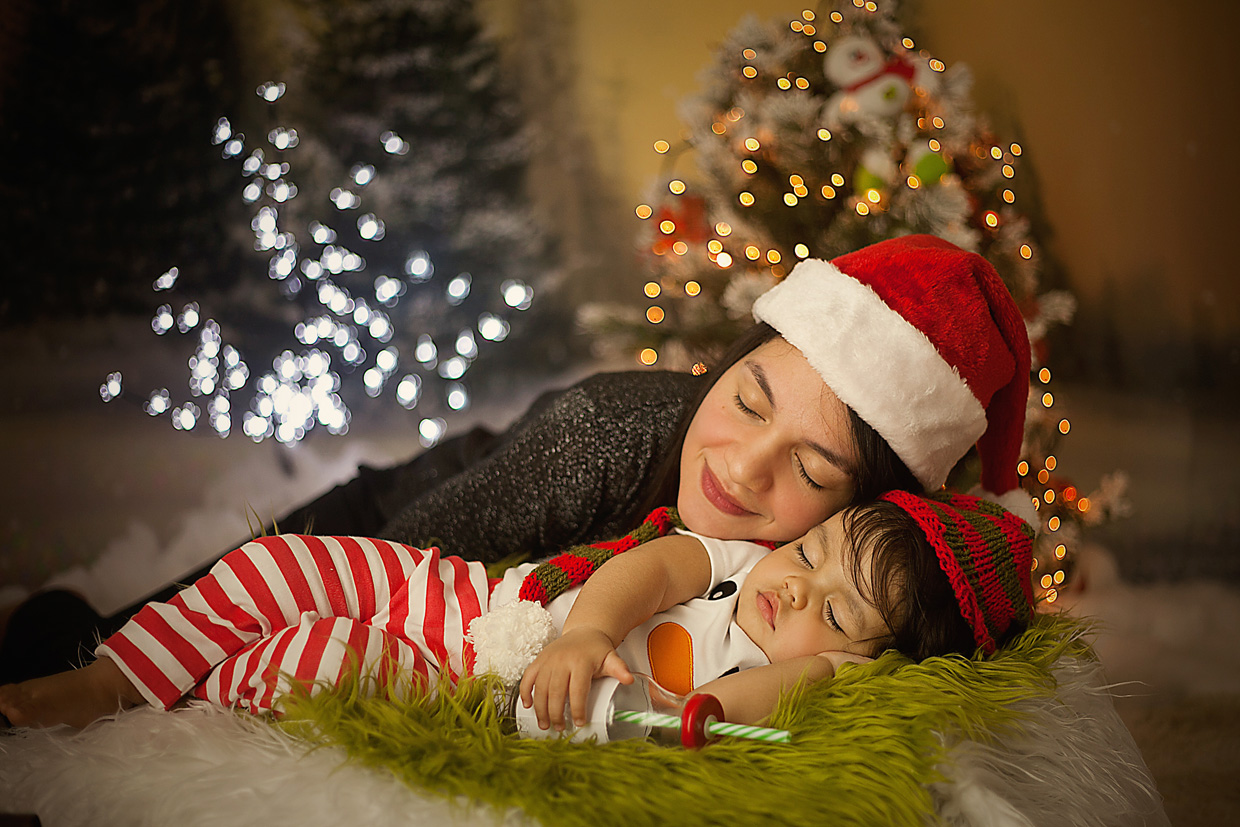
(688, 213)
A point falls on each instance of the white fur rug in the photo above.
(201, 767)
(1075, 764)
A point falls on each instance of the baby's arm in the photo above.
(626, 591)
(749, 696)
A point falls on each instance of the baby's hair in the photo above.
(907, 586)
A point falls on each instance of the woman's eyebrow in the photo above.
(759, 376)
(830, 455)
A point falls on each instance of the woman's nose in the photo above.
(750, 463)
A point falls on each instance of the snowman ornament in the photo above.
(870, 84)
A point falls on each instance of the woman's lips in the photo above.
(714, 493)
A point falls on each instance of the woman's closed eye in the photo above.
(743, 408)
(805, 475)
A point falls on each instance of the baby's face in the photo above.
(801, 600)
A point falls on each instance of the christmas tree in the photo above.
(387, 201)
(817, 136)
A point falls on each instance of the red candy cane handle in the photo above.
(699, 713)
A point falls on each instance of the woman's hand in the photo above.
(564, 670)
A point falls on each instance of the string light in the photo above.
(301, 391)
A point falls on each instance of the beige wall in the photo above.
(1126, 109)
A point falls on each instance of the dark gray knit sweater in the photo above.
(574, 469)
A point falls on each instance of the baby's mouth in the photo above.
(767, 608)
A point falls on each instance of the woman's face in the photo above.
(769, 454)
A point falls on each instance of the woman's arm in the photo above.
(749, 696)
(626, 591)
(575, 470)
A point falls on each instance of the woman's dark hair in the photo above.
(907, 586)
(878, 467)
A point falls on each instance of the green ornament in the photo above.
(865, 180)
(929, 166)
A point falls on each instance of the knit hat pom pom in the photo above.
(508, 638)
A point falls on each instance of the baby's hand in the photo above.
(564, 670)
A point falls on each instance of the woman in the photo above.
(878, 370)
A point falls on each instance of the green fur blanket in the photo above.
(867, 748)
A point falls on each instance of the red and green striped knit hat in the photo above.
(986, 552)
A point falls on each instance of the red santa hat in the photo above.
(923, 340)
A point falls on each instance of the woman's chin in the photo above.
(702, 518)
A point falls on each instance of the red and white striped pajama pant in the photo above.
(305, 607)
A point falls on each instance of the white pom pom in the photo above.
(509, 637)
(1017, 501)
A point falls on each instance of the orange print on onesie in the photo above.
(670, 649)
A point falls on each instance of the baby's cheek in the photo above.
(810, 638)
